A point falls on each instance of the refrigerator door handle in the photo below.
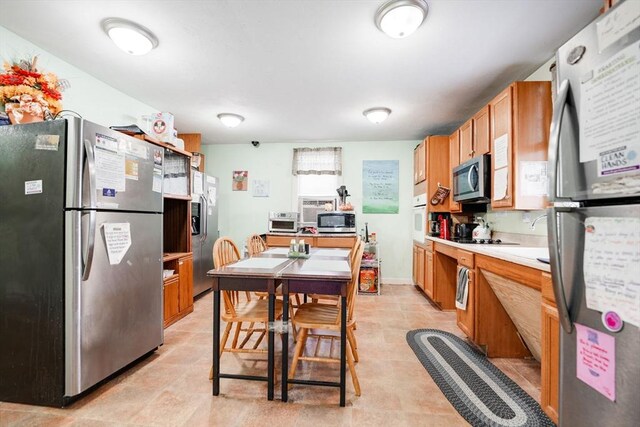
(205, 223)
(556, 270)
(91, 162)
(554, 138)
(91, 243)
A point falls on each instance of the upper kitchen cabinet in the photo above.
(454, 160)
(419, 164)
(481, 132)
(438, 172)
(520, 117)
(466, 141)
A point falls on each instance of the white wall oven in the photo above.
(419, 217)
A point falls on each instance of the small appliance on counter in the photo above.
(463, 232)
(482, 231)
(434, 224)
(283, 222)
(337, 222)
(445, 226)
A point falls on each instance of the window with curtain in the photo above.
(318, 173)
(317, 161)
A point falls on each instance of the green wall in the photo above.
(240, 214)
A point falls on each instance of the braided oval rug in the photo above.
(479, 391)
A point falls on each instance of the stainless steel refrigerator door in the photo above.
(576, 62)
(581, 405)
(118, 172)
(204, 263)
(115, 316)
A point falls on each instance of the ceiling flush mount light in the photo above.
(377, 115)
(230, 120)
(129, 36)
(400, 18)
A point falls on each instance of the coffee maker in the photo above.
(433, 224)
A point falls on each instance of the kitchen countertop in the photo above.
(518, 254)
(313, 235)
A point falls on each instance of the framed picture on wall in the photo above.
(240, 180)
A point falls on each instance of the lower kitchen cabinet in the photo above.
(420, 258)
(178, 288)
(466, 318)
(428, 274)
(315, 241)
(550, 360)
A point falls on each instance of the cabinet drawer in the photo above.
(278, 240)
(335, 242)
(546, 288)
(466, 258)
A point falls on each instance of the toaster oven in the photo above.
(283, 222)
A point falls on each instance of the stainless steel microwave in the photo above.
(337, 222)
(283, 222)
(472, 180)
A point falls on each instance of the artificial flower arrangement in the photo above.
(28, 94)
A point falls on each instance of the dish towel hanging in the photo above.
(462, 288)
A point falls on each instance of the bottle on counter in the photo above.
(293, 247)
(301, 246)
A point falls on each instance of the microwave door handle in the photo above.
(554, 138)
(469, 176)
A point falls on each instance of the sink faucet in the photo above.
(533, 223)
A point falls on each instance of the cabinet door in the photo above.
(416, 170)
(185, 272)
(335, 242)
(550, 362)
(428, 272)
(466, 318)
(422, 163)
(466, 141)
(420, 270)
(171, 292)
(501, 118)
(454, 160)
(481, 132)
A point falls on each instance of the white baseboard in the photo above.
(396, 281)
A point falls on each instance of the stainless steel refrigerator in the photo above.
(594, 226)
(204, 228)
(81, 244)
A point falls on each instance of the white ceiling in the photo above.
(304, 70)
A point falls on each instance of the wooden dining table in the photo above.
(326, 271)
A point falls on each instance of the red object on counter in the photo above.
(445, 232)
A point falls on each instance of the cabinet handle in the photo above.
(181, 262)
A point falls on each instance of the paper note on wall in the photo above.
(609, 99)
(500, 183)
(117, 237)
(533, 178)
(110, 169)
(501, 151)
(596, 360)
(612, 266)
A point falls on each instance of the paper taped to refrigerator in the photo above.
(596, 360)
(117, 237)
(618, 23)
(110, 169)
(609, 105)
(197, 183)
(612, 266)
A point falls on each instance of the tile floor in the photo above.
(171, 386)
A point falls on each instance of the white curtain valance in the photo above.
(317, 161)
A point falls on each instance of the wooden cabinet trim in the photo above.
(546, 287)
(446, 250)
(481, 132)
(550, 363)
(525, 275)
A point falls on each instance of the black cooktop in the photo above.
(479, 241)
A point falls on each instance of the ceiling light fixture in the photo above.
(129, 36)
(377, 115)
(400, 18)
(230, 120)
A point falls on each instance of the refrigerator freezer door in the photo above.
(600, 105)
(115, 316)
(119, 171)
(579, 403)
(204, 262)
(32, 261)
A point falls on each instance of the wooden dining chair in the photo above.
(333, 299)
(239, 311)
(255, 246)
(326, 317)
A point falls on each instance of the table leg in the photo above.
(343, 351)
(270, 345)
(216, 342)
(285, 343)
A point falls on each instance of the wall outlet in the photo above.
(526, 217)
